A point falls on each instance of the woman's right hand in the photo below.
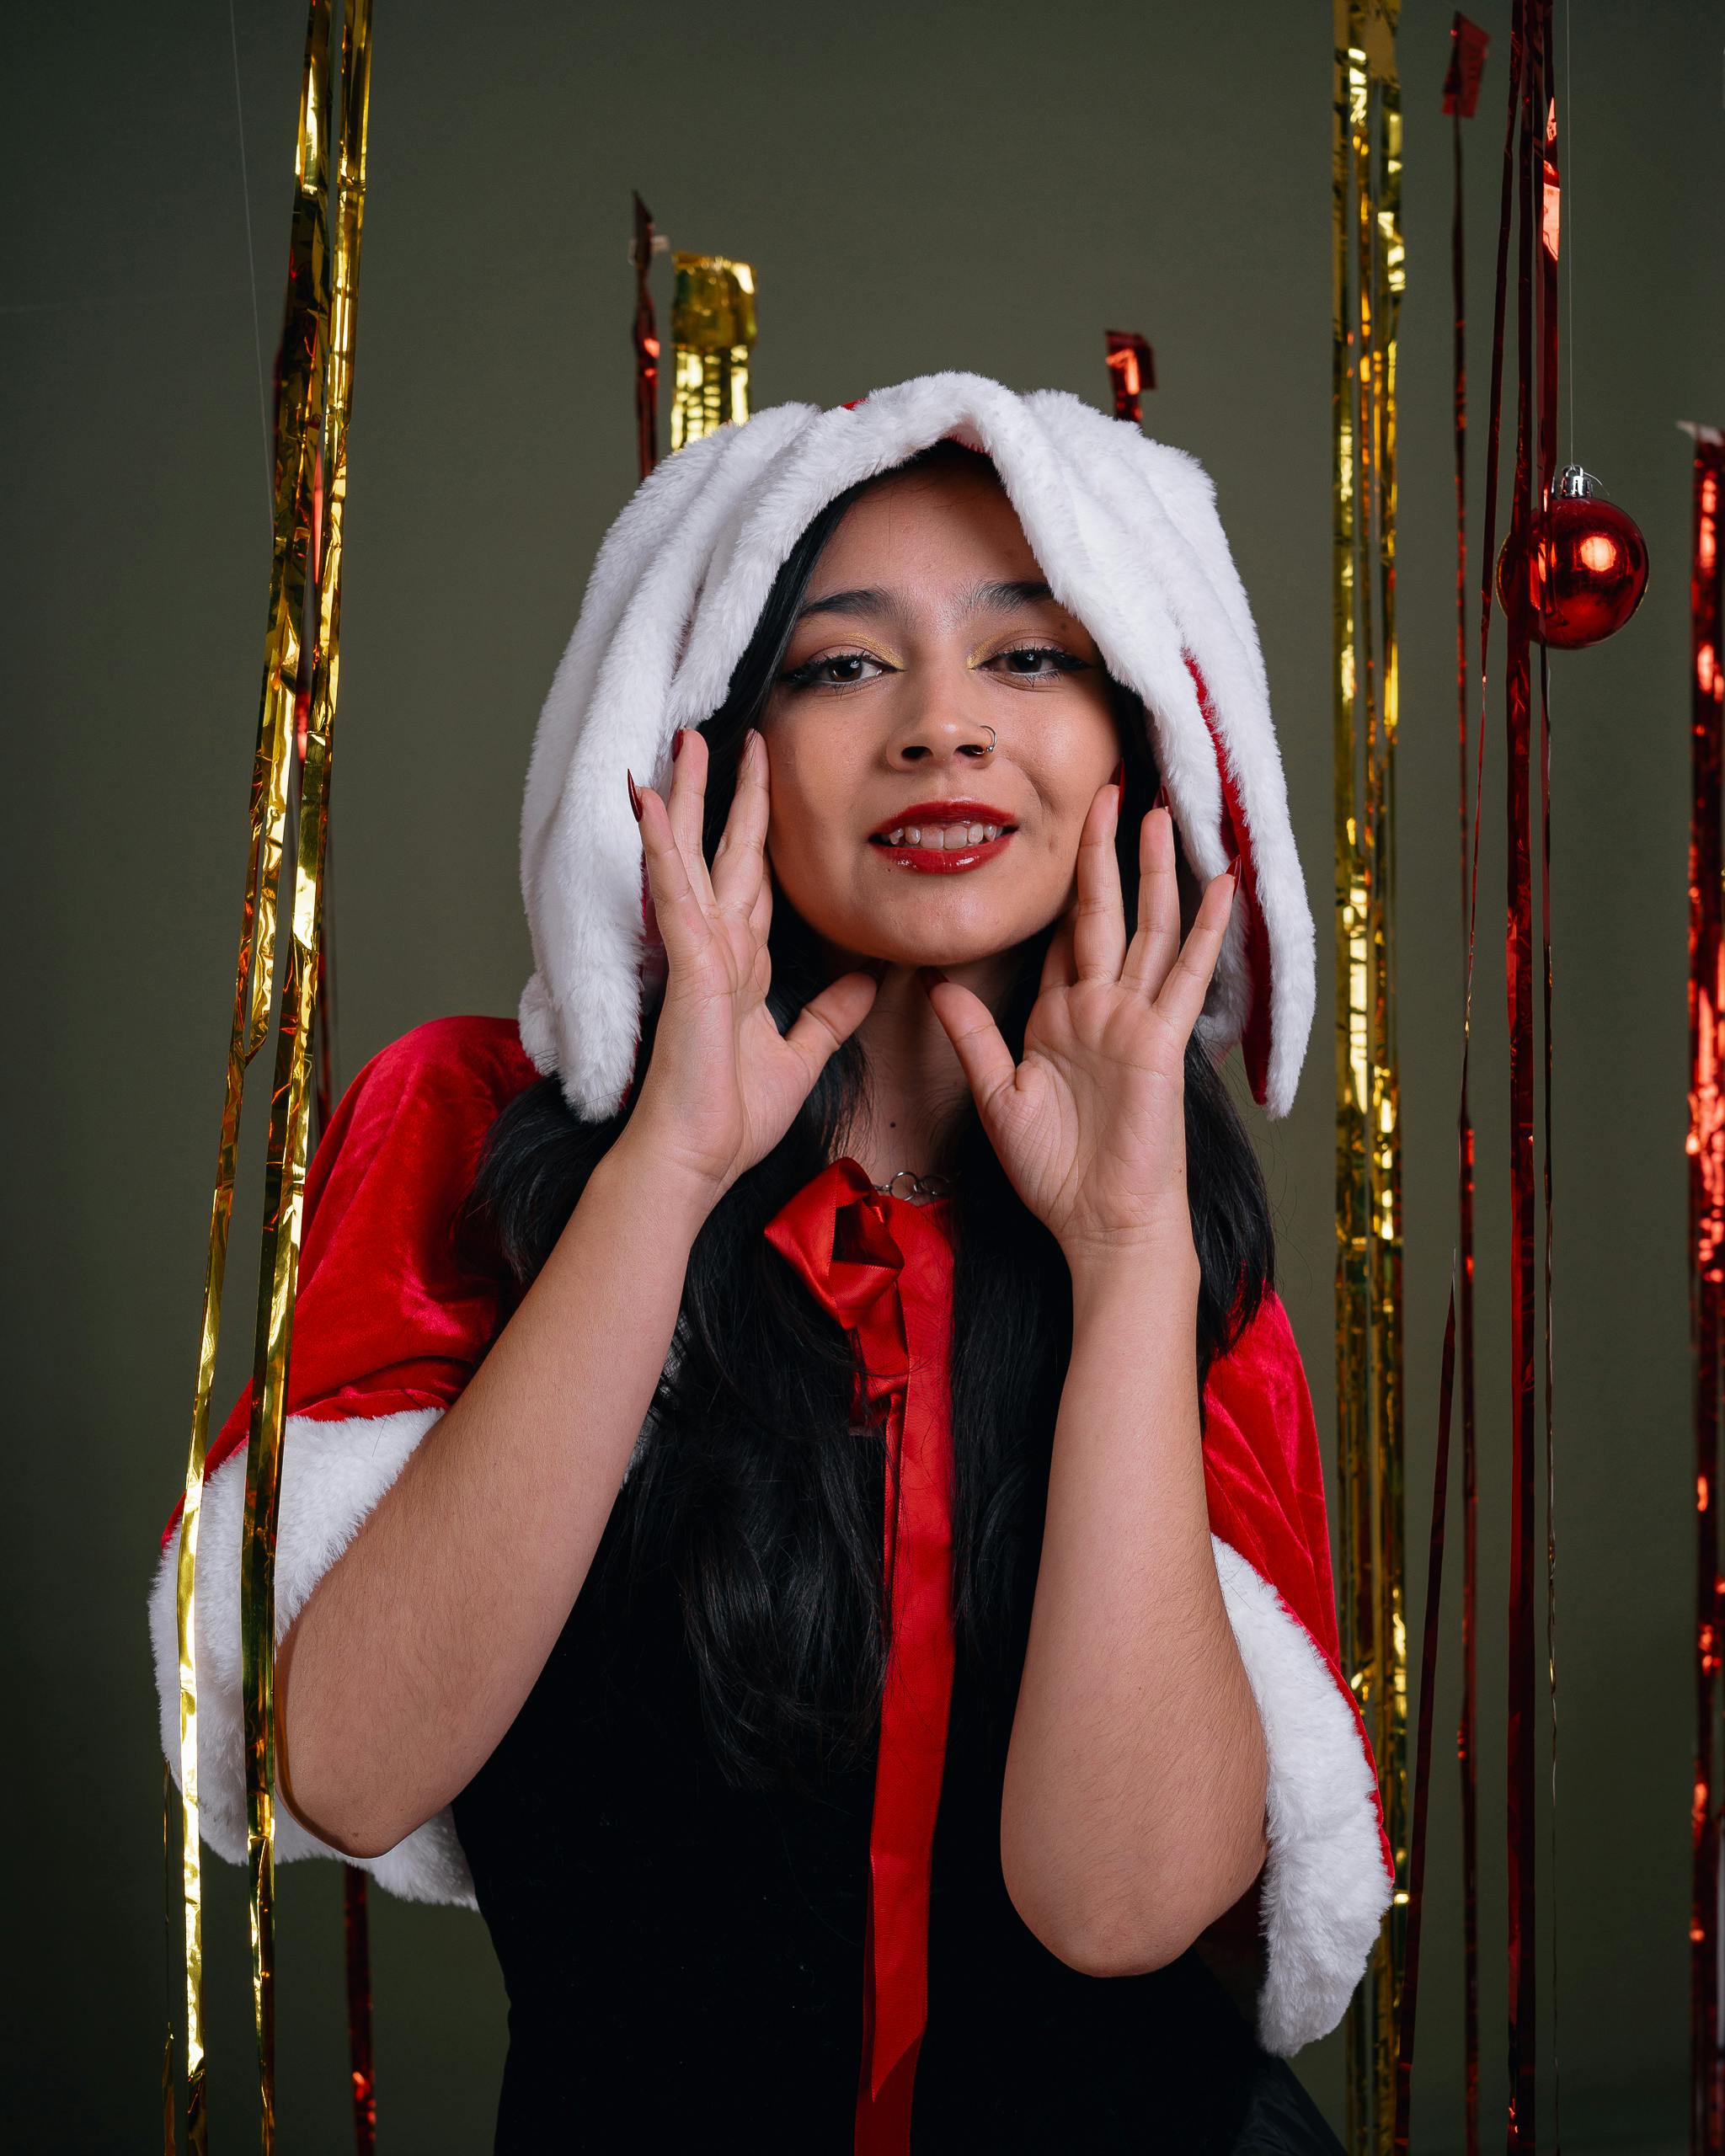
(722, 1083)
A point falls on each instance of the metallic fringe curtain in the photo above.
(1369, 278)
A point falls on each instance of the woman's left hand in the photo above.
(1090, 1126)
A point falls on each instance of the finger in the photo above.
(1157, 938)
(1180, 999)
(1098, 923)
(740, 858)
(761, 909)
(683, 926)
(969, 1024)
(687, 806)
(827, 1019)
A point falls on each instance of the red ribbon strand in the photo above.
(882, 1266)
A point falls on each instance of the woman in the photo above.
(862, 1632)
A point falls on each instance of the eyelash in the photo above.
(806, 676)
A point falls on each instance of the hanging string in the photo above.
(245, 189)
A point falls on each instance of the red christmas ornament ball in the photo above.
(1586, 570)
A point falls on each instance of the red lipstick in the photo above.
(960, 811)
(942, 860)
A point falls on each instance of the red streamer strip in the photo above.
(646, 343)
(1517, 942)
(1467, 56)
(1547, 250)
(356, 1932)
(1706, 1238)
(1468, 44)
(1131, 371)
(1527, 162)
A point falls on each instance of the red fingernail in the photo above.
(1161, 797)
(634, 796)
(930, 976)
(1234, 869)
(1120, 774)
(676, 743)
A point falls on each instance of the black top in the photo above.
(684, 1960)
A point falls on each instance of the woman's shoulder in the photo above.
(1264, 1358)
(478, 1061)
(396, 1163)
(415, 1120)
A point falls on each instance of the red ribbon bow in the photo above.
(882, 1266)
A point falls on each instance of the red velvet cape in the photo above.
(390, 1316)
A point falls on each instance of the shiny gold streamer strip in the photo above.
(298, 418)
(712, 333)
(1369, 279)
(284, 1163)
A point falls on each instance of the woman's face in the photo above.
(927, 622)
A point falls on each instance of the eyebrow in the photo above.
(993, 598)
(867, 602)
(1005, 597)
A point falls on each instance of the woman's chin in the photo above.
(938, 940)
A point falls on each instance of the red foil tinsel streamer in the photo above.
(1546, 249)
(356, 1933)
(1518, 954)
(1131, 371)
(1707, 1242)
(1422, 1747)
(355, 1930)
(646, 343)
(1468, 44)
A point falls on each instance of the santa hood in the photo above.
(1127, 535)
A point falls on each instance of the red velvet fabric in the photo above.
(387, 1316)
(883, 1266)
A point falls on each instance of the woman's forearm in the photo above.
(415, 1650)
(1133, 1808)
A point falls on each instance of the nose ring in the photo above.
(993, 739)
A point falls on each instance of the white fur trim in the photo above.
(1127, 533)
(331, 1475)
(1326, 1886)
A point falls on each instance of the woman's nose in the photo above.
(942, 731)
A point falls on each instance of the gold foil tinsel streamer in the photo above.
(312, 381)
(298, 414)
(285, 1161)
(1369, 279)
(712, 333)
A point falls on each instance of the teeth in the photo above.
(944, 837)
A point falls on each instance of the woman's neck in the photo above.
(914, 1079)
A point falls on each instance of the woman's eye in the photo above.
(1038, 662)
(834, 670)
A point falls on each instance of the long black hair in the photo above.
(755, 1493)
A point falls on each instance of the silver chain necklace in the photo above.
(934, 1185)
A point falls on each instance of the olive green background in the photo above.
(918, 187)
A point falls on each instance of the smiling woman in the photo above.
(800, 1500)
(930, 625)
